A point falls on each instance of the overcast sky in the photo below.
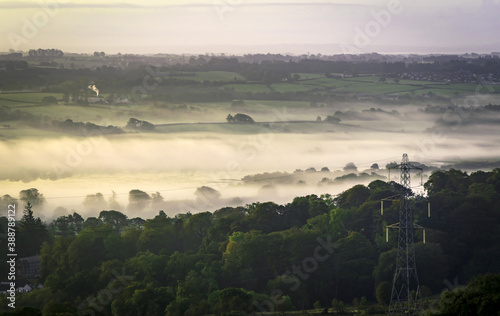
(240, 26)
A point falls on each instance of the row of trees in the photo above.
(265, 256)
(279, 69)
(52, 52)
(122, 80)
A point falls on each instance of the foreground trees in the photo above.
(270, 257)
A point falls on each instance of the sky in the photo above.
(251, 26)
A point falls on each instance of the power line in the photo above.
(405, 294)
(291, 175)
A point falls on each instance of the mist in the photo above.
(67, 169)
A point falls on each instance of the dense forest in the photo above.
(314, 252)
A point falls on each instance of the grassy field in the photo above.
(291, 87)
(209, 76)
(18, 130)
(247, 87)
(29, 98)
(366, 85)
(161, 112)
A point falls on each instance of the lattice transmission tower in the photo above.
(405, 295)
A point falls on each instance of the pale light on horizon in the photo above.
(294, 26)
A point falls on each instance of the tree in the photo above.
(231, 300)
(76, 222)
(350, 167)
(114, 219)
(339, 306)
(138, 200)
(134, 123)
(353, 197)
(383, 293)
(113, 203)
(206, 195)
(243, 119)
(157, 201)
(62, 225)
(49, 100)
(32, 196)
(95, 202)
(317, 305)
(87, 250)
(7, 200)
(332, 119)
(195, 229)
(32, 233)
(92, 222)
(480, 297)
(53, 308)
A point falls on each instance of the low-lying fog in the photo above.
(65, 170)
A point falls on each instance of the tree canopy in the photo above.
(269, 257)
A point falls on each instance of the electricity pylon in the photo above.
(405, 295)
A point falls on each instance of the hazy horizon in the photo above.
(237, 27)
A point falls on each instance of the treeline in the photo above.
(7, 114)
(81, 128)
(314, 251)
(52, 52)
(13, 64)
(129, 78)
(257, 71)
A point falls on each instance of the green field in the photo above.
(306, 76)
(291, 87)
(164, 111)
(209, 76)
(29, 98)
(247, 87)
(366, 85)
(18, 130)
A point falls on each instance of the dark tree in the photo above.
(243, 119)
(134, 123)
(114, 219)
(350, 167)
(138, 200)
(32, 233)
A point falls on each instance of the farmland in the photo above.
(350, 92)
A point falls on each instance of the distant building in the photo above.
(29, 267)
(22, 286)
(121, 101)
(96, 100)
